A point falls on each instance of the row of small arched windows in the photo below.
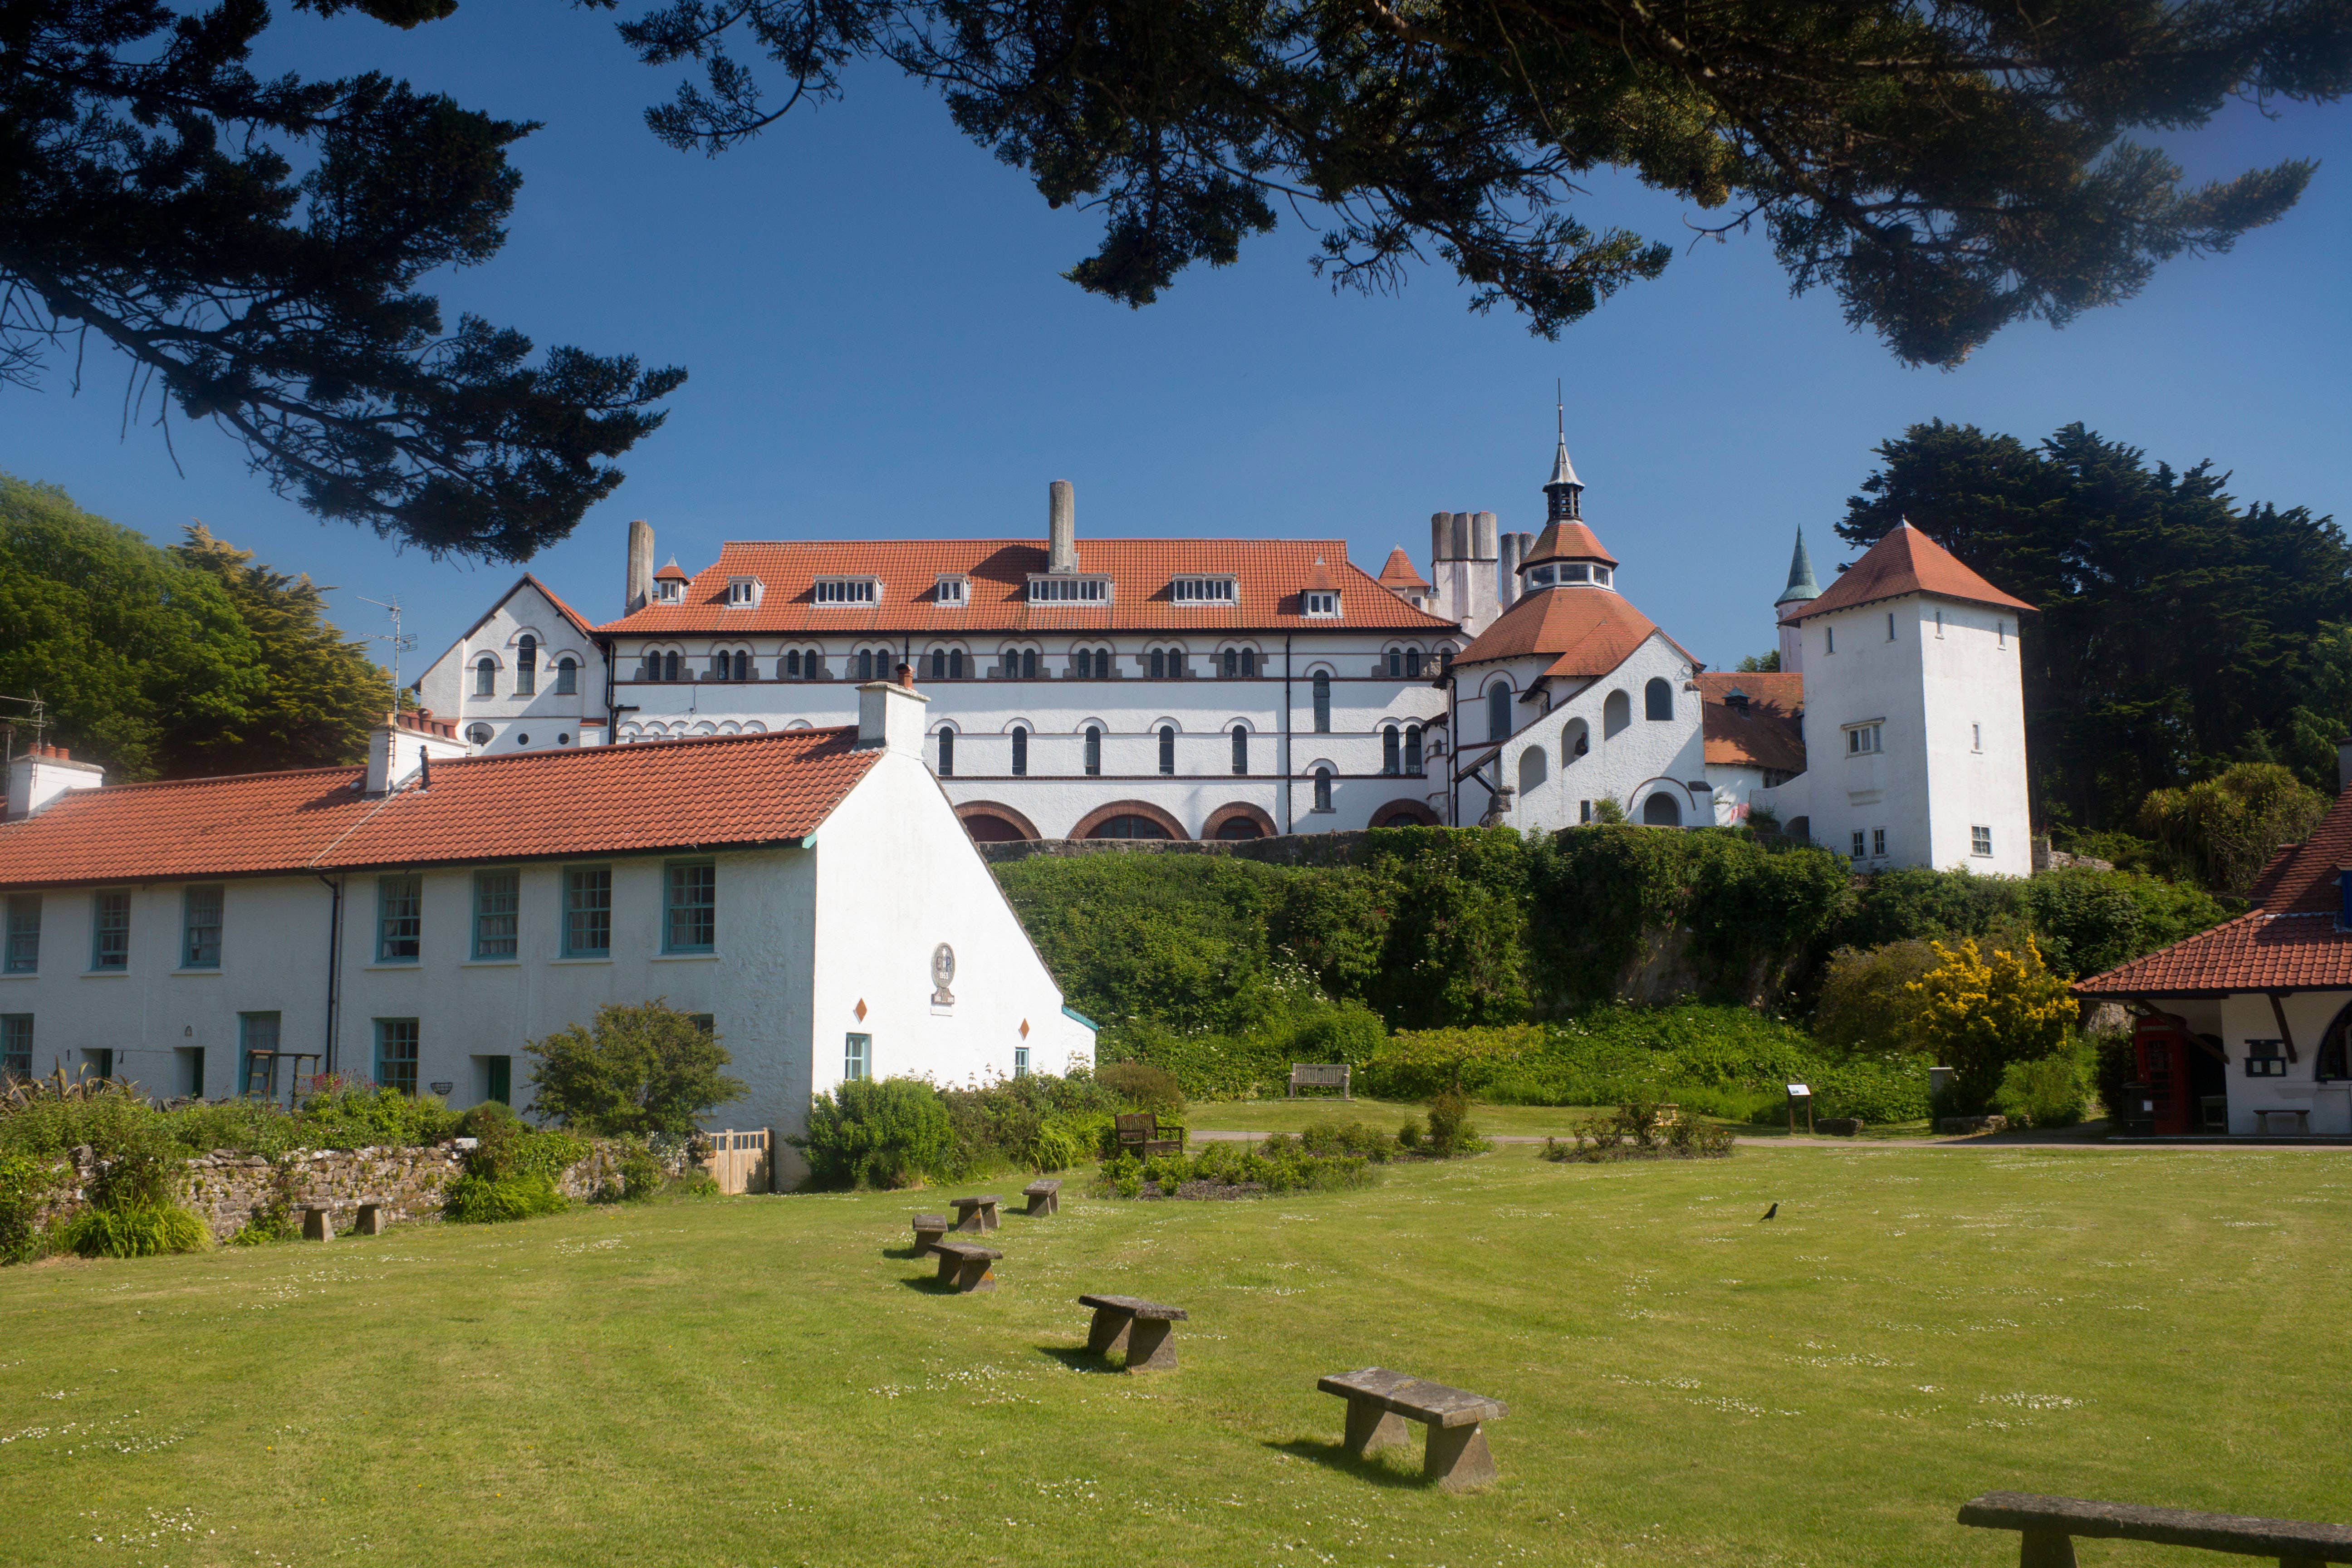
(1400, 752)
(1616, 712)
(485, 672)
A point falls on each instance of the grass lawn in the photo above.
(758, 1380)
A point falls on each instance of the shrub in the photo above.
(1411, 1135)
(2223, 830)
(1056, 1148)
(1450, 1133)
(1633, 1132)
(483, 1199)
(134, 1230)
(2053, 1092)
(638, 1069)
(887, 1134)
(1143, 1087)
(343, 1114)
(1980, 1013)
(26, 1184)
(511, 1172)
(1867, 1003)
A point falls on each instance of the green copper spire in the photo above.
(1801, 585)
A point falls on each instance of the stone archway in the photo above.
(1229, 822)
(1416, 814)
(989, 823)
(1096, 819)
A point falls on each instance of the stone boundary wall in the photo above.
(226, 1189)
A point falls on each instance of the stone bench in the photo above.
(1379, 1402)
(371, 1221)
(2263, 1113)
(929, 1228)
(975, 1214)
(2047, 1527)
(964, 1264)
(318, 1224)
(1142, 1330)
(1044, 1198)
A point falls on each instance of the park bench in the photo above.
(371, 1220)
(1321, 1075)
(2048, 1525)
(975, 1214)
(1142, 1330)
(1139, 1134)
(1379, 1402)
(2263, 1115)
(929, 1228)
(1044, 1198)
(318, 1224)
(964, 1264)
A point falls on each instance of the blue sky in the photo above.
(880, 345)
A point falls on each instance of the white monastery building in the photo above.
(1238, 687)
(810, 892)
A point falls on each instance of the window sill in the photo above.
(105, 974)
(684, 958)
(404, 965)
(593, 958)
(491, 963)
(21, 974)
(213, 970)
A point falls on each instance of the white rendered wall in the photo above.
(1648, 756)
(447, 686)
(2246, 1016)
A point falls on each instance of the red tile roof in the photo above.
(1565, 541)
(1904, 561)
(1270, 573)
(702, 794)
(1768, 735)
(2301, 877)
(2256, 952)
(1589, 632)
(671, 571)
(1400, 572)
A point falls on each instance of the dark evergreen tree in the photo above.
(1944, 168)
(151, 202)
(2180, 632)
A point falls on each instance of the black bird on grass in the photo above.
(1771, 1212)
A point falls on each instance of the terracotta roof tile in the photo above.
(2301, 877)
(1589, 632)
(1319, 577)
(1768, 735)
(1400, 572)
(2256, 952)
(1270, 573)
(1904, 561)
(1565, 541)
(599, 800)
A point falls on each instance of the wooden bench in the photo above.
(371, 1220)
(1139, 1134)
(1379, 1402)
(2047, 1526)
(2263, 1115)
(965, 1265)
(1044, 1198)
(929, 1228)
(1141, 1331)
(975, 1214)
(1321, 1075)
(318, 1224)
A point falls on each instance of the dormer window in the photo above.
(743, 592)
(953, 592)
(1205, 591)
(1069, 590)
(1320, 602)
(848, 591)
(671, 591)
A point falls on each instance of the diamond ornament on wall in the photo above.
(861, 1009)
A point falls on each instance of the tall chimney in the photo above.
(1460, 551)
(1441, 538)
(641, 568)
(42, 774)
(1482, 536)
(1062, 529)
(1509, 574)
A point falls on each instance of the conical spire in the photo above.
(1801, 585)
(1562, 491)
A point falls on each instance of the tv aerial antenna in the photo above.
(39, 719)
(399, 644)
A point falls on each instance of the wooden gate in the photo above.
(740, 1163)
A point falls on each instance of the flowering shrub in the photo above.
(1979, 1013)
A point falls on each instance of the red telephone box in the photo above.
(2163, 1048)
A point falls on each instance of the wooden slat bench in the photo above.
(975, 1214)
(1142, 1330)
(2047, 1526)
(1322, 1075)
(965, 1265)
(1379, 1402)
(1044, 1198)
(929, 1228)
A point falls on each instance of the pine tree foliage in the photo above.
(1945, 169)
(252, 247)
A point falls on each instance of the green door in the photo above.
(502, 1080)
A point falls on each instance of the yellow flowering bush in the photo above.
(1980, 1011)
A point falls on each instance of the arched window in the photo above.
(1028, 664)
(866, 664)
(939, 664)
(1532, 769)
(1160, 664)
(1575, 741)
(1391, 750)
(1660, 811)
(1396, 662)
(1412, 664)
(567, 677)
(1232, 662)
(1094, 750)
(1322, 702)
(1241, 749)
(1020, 752)
(743, 665)
(1615, 713)
(947, 753)
(812, 665)
(527, 666)
(1498, 711)
(2331, 1061)
(1322, 789)
(1249, 661)
(486, 677)
(1129, 827)
(1412, 764)
(791, 665)
(669, 665)
(1657, 699)
(955, 664)
(1168, 748)
(1236, 829)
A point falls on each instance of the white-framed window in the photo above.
(1865, 740)
(1320, 602)
(1878, 843)
(1203, 591)
(1980, 840)
(857, 1058)
(946, 768)
(567, 677)
(846, 591)
(1020, 1061)
(1069, 590)
(956, 591)
(1322, 789)
(1860, 848)
(669, 591)
(1542, 576)
(742, 593)
(486, 677)
(527, 666)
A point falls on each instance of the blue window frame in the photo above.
(690, 907)
(199, 927)
(395, 1053)
(15, 1045)
(23, 955)
(498, 914)
(110, 932)
(857, 1058)
(587, 912)
(399, 919)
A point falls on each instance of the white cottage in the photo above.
(414, 921)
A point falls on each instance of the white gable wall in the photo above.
(541, 721)
(1644, 757)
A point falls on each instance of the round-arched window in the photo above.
(1657, 699)
(486, 677)
(1128, 827)
(1499, 712)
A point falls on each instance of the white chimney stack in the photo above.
(399, 746)
(1062, 528)
(43, 773)
(890, 714)
(641, 568)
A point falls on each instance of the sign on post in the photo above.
(1798, 1091)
